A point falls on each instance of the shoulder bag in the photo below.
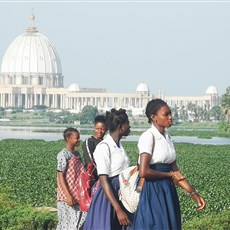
(131, 186)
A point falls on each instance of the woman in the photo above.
(159, 207)
(90, 143)
(106, 211)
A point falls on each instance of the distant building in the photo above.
(31, 75)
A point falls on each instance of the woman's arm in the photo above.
(122, 216)
(146, 172)
(188, 188)
(62, 181)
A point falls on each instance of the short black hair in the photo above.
(153, 107)
(100, 118)
(68, 132)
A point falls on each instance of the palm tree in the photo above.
(225, 103)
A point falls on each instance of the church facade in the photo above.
(31, 75)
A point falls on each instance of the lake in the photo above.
(9, 132)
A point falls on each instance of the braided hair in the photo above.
(115, 118)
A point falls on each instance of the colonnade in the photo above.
(61, 98)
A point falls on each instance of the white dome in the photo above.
(74, 87)
(32, 54)
(211, 90)
(142, 87)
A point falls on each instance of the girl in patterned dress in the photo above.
(69, 167)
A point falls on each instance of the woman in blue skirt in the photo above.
(106, 211)
(159, 208)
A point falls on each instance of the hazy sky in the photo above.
(181, 47)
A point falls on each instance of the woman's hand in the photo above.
(180, 180)
(123, 217)
(70, 200)
(199, 200)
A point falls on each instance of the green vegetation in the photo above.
(220, 221)
(28, 167)
(16, 215)
(225, 103)
(205, 134)
(28, 180)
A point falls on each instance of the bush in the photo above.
(24, 217)
(219, 221)
(17, 216)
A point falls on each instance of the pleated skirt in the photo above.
(158, 208)
(101, 214)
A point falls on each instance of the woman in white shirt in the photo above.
(159, 207)
(106, 211)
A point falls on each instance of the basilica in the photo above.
(31, 75)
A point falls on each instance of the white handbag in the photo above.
(130, 188)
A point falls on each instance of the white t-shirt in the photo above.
(164, 151)
(110, 158)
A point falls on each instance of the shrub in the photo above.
(24, 217)
(18, 216)
(219, 221)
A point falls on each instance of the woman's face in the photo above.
(74, 139)
(99, 130)
(163, 118)
(125, 129)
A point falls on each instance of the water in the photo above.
(8, 132)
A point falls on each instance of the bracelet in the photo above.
(182, 178)
(192, 193)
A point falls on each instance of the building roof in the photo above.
(74, 87)
(31, 52)
(211, 90)
(142, 87)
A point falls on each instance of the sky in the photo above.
(176, 47)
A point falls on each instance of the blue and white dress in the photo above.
(158, 208)
(110, 160)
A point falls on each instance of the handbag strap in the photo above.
(140, 186)
(108, 147)
(142, 180)
(87, 148)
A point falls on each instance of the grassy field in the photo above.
(28, 180)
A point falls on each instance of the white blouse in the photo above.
(110, 159)
(164, 151)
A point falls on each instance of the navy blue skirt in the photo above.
(101, 214)
(158, 208)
